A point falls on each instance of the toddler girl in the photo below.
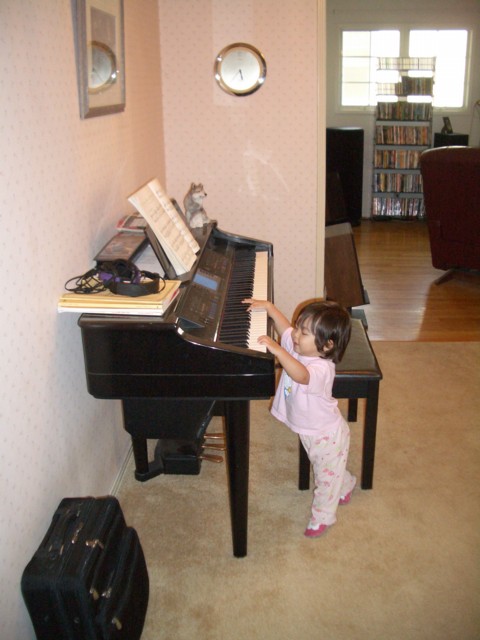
(303, 400)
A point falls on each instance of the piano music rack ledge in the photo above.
(357, 376)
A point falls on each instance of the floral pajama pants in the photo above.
(328, 454)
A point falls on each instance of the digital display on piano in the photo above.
(206, 281)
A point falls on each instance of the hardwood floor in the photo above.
(405, 304)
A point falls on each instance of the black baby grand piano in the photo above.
(202, 358)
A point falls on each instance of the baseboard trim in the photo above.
(118, 480)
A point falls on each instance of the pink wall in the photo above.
(64, 183)
(256, 155)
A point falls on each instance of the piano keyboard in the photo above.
(258, 318)
(249, 280)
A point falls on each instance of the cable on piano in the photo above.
(89, 282)
(120, 277)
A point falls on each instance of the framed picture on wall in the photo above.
(100, 54)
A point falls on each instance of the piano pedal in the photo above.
(214, 436)
(208, 457)
(214, 445)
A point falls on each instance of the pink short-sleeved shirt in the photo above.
(308, 409)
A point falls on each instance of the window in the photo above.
(360, 49)
(450, 50)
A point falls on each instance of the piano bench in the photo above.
(357, 376)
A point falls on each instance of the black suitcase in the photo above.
(88, 579)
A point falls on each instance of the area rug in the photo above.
(402, 561)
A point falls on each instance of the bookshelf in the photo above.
(403, 129)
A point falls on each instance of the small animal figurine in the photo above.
(193, 203)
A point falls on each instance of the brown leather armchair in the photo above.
(451, 185)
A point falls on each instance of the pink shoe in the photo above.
(346, 499)
(315, 533)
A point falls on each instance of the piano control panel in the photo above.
(202, 302)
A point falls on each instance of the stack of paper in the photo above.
(154, 304)
(132, 223)
(168, 226)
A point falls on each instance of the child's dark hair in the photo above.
(328, 321)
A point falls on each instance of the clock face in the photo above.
(240, 69)
(103, 68)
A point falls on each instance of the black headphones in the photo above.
(124, 278)
(121, 277)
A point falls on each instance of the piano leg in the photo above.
(140, 455)
(237, 435)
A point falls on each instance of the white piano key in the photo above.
(258, 318)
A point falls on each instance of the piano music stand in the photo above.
(358, 375)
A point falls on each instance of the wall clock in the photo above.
(103, 67)
(240, 69)
(100, 50)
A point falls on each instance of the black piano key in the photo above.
(235, 324)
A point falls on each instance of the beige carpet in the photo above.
(402, 562)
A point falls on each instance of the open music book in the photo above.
(168, 226)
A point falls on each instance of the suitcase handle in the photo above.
(67, 528)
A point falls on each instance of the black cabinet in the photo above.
(345, 158)
(450, 139)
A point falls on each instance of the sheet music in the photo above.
(173, 234)
(173, 214)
